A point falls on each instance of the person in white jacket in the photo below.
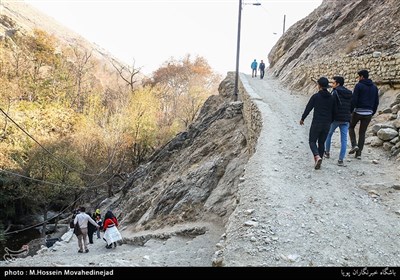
(82, 220)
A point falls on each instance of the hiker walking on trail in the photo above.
(342, 118)
(262, 69)
(111, 235)
(82, 220)
(364, 103)
(254, 68)
(324, 106)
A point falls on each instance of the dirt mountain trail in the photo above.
(292, 215)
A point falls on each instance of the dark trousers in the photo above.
(90, 235)
(364, 122)
(262, 72)
(317, 137)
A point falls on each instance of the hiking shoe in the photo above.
(318, 162)
(327, 155)
(340, 163)
(353, 150)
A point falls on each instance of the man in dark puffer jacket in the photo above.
(342, 118)
(325, 109)
(364, 103)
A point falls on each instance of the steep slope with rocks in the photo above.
(340, 37)
(194, 177)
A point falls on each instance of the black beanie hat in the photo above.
(323, 82)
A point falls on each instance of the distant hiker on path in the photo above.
(324, 107)
(254, 68)
(342, 118)
(82, 218)
(364, 104)
(262, 69)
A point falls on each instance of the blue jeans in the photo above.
(344, 128)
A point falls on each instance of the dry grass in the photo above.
(360, 34)
(351, 47)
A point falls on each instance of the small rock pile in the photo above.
(386, 134)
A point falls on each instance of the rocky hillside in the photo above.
(340, 38)
(195, 176)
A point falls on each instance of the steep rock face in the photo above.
(194, 176)
(340, 37)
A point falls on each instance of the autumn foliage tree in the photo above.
(183, 86)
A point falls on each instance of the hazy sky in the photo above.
(152, 31)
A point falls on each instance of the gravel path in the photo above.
(173, 250)
(292, 215)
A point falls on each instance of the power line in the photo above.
(62, 211)
(47, 182)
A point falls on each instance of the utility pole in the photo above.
(235, 94)
(284, 22)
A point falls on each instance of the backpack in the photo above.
(77, 229)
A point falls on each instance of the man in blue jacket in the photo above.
(364, 103)
(342, 118)
(324, 106)
(254, 68)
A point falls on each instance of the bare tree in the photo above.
(82, 65)
(127, 73)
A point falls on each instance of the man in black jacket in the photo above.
(324, 107)
(262, 69)
(342, 118)
(364, 104)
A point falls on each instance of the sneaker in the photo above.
(327, 155)
(340, 163)
(318, 162)
(87, 251)
(80, 251)
(115, 244)
(353, 150)
(358, 156)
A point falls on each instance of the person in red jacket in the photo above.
(111, 235)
